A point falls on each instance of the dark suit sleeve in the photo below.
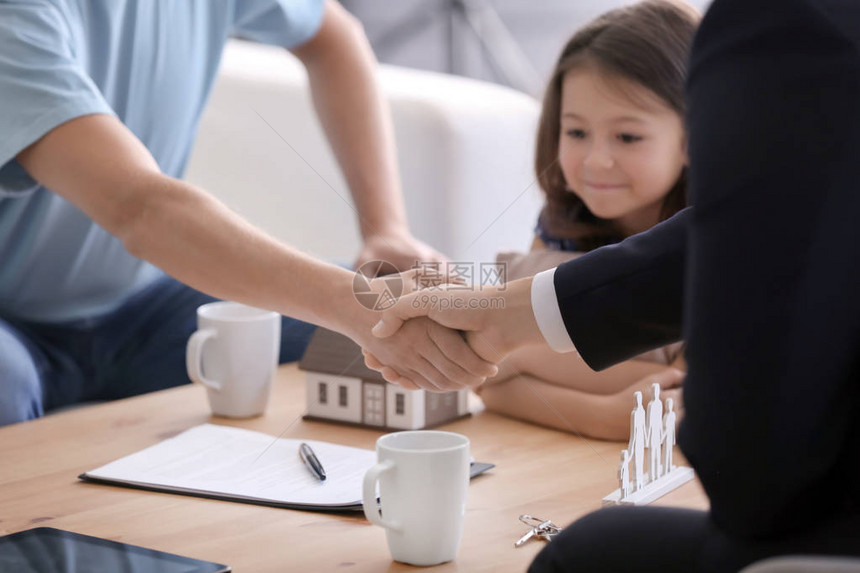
(625, 299)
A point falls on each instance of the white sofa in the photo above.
(465, 151)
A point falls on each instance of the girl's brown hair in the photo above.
(647, 43)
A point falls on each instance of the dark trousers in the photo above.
(140, 347)
(669, 540)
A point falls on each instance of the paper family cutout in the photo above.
(653, 430)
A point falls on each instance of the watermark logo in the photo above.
(461, 276)
(494, 274)
(377, 285)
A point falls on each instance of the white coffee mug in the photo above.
(234, 353)
(423, 478)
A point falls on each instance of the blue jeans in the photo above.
(138, 348)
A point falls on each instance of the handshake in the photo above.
(445, 336)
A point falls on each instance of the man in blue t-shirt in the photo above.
(100, 103)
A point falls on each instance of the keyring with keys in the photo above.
(545, 529)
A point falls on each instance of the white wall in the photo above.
(465, 154)
(416, 33)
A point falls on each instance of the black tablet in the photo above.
(49, 550)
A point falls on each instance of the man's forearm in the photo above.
(175, 223)
(96, 163)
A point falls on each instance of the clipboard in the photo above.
(234, 464)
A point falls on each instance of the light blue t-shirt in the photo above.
(152, 63)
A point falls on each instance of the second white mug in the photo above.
(234, 353)
(423, 479)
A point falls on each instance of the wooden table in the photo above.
(542, 472)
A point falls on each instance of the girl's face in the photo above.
(621, 148)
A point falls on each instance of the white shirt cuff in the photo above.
(547, 313)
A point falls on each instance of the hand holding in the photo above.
(426, 355)
(496, 320)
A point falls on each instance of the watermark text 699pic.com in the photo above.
(437, 302)
(377, 285)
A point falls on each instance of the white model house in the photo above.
(340, 388)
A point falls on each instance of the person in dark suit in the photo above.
(761, 275)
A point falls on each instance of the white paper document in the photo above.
(242, 465)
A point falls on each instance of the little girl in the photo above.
(611, 159)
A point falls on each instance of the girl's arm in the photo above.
(605, 416)
(562, 369)
(570, 370)
(561, 391)
(520, 265)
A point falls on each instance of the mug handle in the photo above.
(368, 499)
(193, 357)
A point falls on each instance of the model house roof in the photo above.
(332, 353)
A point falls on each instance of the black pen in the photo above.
(311, 461)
